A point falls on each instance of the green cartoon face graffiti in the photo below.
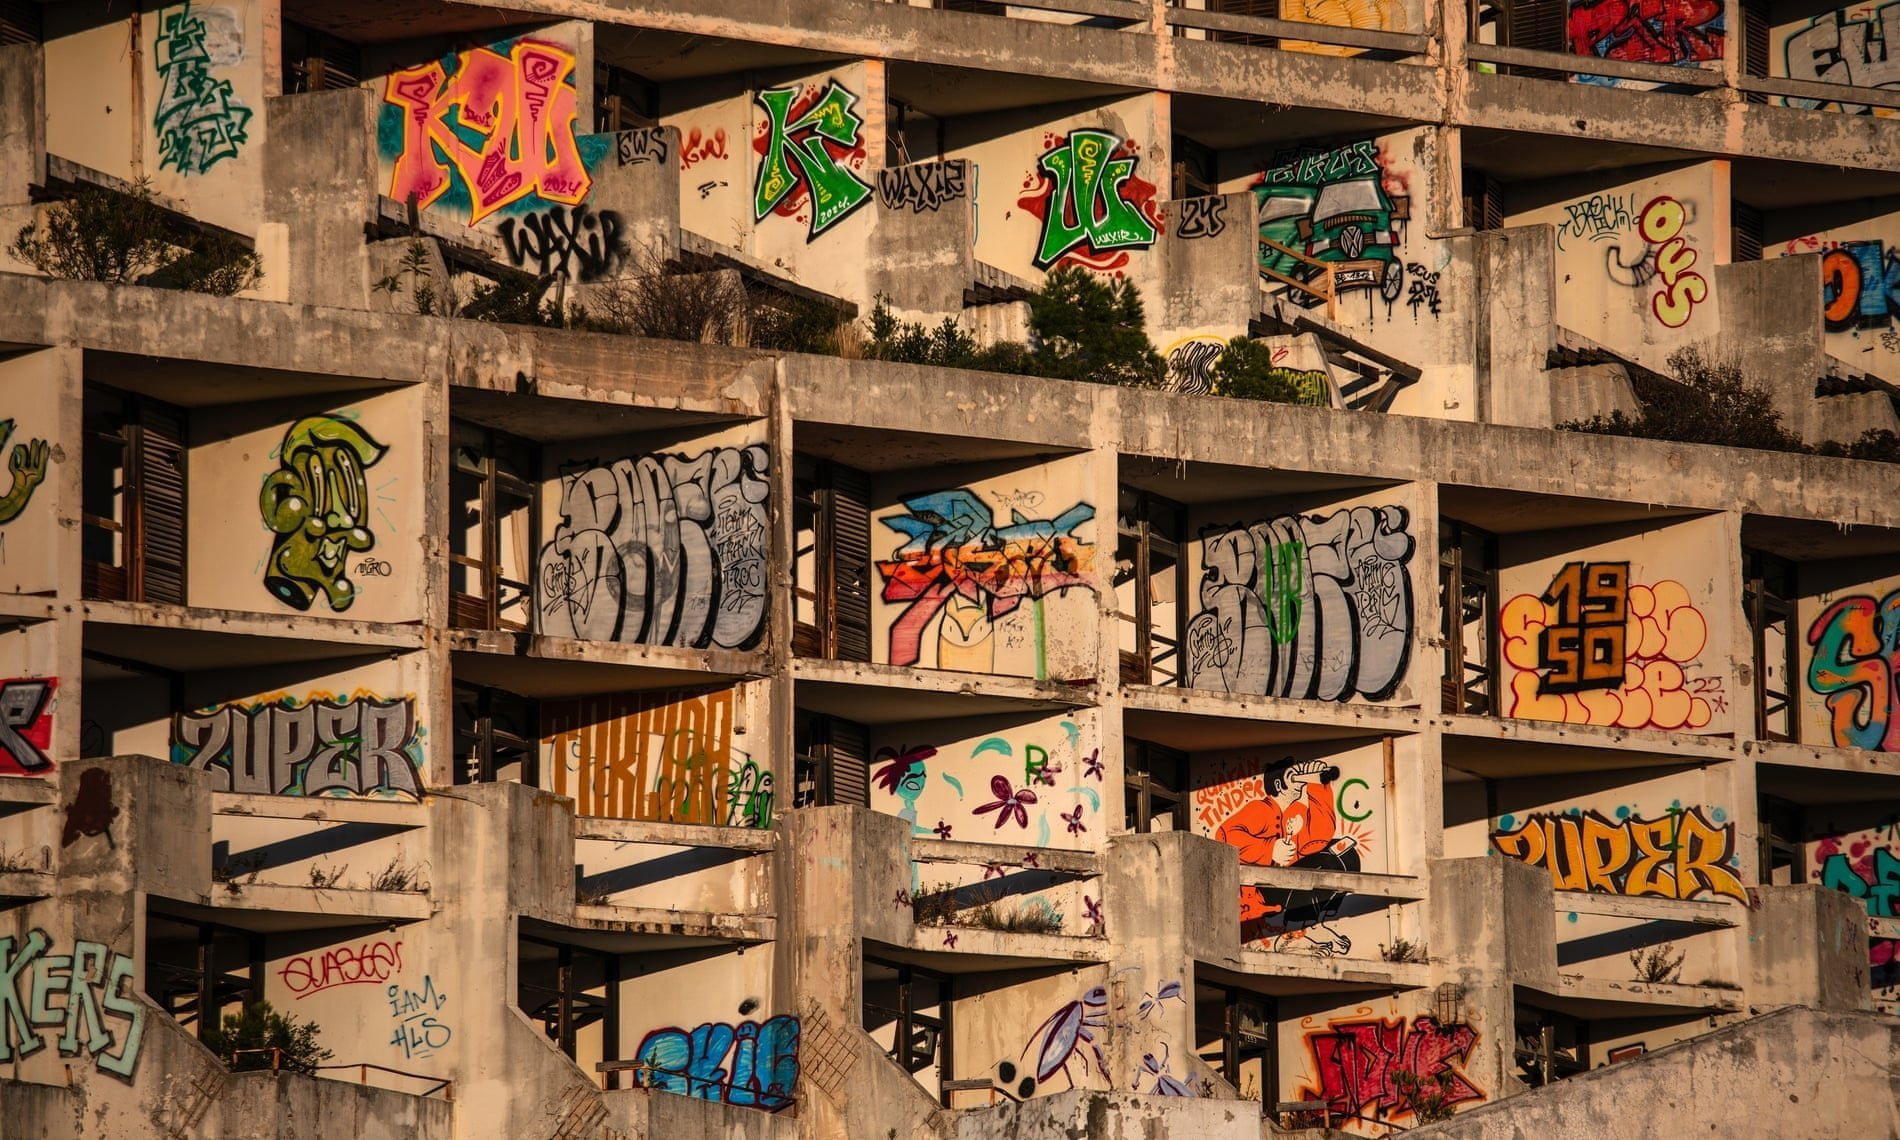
(317, 503)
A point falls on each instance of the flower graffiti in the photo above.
(317, 504)
(1010, 804)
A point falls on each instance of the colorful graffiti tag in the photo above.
(956, 562)
(1860, 284)
(1671, 32)
(93, 986)
(1357, 1065)
(1865, 865)
(1331, 207)
(199, 122)
(661, 550)
(1681, 290)
(1856, 645)
(486, 128)
(1684, 853)
(27, 463)
(1857, 45)
(1314, 607)
(810, 151)
(26, 725)
(749, 1063)
(1092, 207)
(1290, 813)
(660, 756)
(317, 504)
(311, 746)
(1597, 648)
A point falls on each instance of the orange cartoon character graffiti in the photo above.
(1295, 825)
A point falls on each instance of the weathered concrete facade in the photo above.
(602, 737)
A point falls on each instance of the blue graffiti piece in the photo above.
(994, 744)
(953, 782)
(951, 519)
(1095, 799)
(763, 1069)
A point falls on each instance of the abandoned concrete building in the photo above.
(601, 736)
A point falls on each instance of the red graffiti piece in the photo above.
(1358, 1060)
(92, 810)
(26, 724)
(371, 962)
(1648, 31)
(701, 146)
(522, 107)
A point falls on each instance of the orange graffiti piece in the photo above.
(1661, 224)
(1680, 855)
(521, 105)
(1664, 632)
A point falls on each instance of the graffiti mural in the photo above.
(419, 1031)
(1600, 217)
(661, 550)
(1857, 45)
(1317, 607)
(1680, 290)
(1191, 364)
(753, 1064)
(1860, 284)
(83, 996)
(1059, 1043)
(199, 122)
(1671, 32)
(1856, 644)
(317, 504)
(1331, 207)
(1371, 15)
(956, 564)
(485, 128)
(1865, 865)
(27, 463)
(569, 241)
(1356, 1065)
(923, 186)
(1092, 207)
(1289, 813)
(1684, 853)
(1041, 786)
(315, 746)
(1201, 217)
(1599, 648)
(371, 962)
(810, 151)
(662, 756)
(26, 725)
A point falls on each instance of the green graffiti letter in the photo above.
(796, 154)
(1087, 204)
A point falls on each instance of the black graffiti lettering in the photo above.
(647, 144)
(571, 241)
(922, 186)
(1202, 217)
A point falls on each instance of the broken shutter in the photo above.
(848, 503)
(159, 541)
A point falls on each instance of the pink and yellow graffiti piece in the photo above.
(521, 106)
(1661, 632)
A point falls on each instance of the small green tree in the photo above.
(1089, 329)
(1711, 402)
(126, 238)
(1429, 1098)
(1245, 371)
(259, 1027)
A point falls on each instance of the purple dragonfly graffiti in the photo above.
(1062, 1037)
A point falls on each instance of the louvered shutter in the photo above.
(160, 538)
(1747, 228)
(849, 506)
(19, 22)
(850, 747)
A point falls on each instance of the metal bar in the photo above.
(1825, 92)
(1402, 43)
(1592, 65)
(1113, 9)
(1296, 283)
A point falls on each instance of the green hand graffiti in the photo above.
(28, 464)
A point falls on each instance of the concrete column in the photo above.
(22, 123)
(1807, 946)
(320, 183)
(1490, 928)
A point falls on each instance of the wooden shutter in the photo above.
(848, 510)
(1484, 200)
(850, 746)
(1541, 26)
(19, 22)
(158, 542)
(1747, 226)
(1755, 41)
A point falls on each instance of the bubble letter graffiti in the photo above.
(83, 994)
(317, 502)
(320, 747)
(1681, 854)
(498, 129)
(751, 1064)
(1314, 607)
(804, 153)
(661, 550)
(1856, 643)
